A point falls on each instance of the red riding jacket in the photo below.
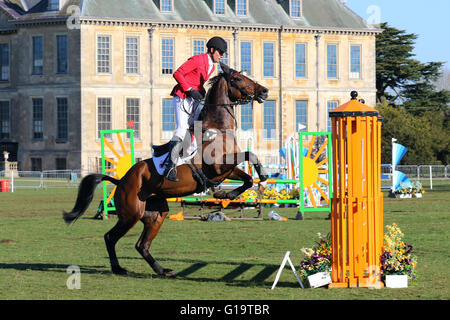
(192, 74)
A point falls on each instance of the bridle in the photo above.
(246, 97)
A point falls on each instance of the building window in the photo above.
(61, 48)
(332, 61)
(301, 115)
(38, 118)
(296, 8)
(53, 5)
(246, 56)
(133, 107)
(4, 62)
(166, 6)
(103, 54)
(300, 60)
(4, 120)
(167, 56)
(103, 116)
(168, 116)
(132, 55)
(61, 163)
(355, 62)
(246, 117)
(241, 7)
(331, 105)
(38, 54)
(269, 119)
(36, 164)
(224, 59)
(62, 119)
(219, 6)
(199, 47)
(268, 53)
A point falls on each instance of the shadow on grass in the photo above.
(261, 279)
(52, 267)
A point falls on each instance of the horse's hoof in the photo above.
(169, 273)
(263, 178)
(120, 271)
(220, 194)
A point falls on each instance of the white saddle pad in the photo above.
(162, 161)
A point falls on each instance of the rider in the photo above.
(188, 93)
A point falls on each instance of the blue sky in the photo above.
(430, 20)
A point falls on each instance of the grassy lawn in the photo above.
(214, 260)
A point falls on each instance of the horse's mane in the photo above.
(213, 82)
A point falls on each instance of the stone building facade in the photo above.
(120, 55)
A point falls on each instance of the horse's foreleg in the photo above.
(152, 223)
(236, 174)
(249, 156)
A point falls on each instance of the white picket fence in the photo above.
(71, 178)
(43, 179)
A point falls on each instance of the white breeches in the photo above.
(183, 114)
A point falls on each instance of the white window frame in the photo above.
(56, 52)
(306, 60)
(274, 62)
(251, 55)
(193, 46)
(32, 54)
(163, 37)
(57, 138)
(246, 8)
(301, 9)
(139, 114)
(9, 114)
(9, 64)
(224, 8)
(354, 75)
(97, 130)
(166, 11)
(110, 55)
(138, 55)
(337, 60)
(166, 134)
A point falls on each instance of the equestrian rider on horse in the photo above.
(189, 92)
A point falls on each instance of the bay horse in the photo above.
(141, 193)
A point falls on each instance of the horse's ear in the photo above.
(225, 68)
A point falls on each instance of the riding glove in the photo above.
(194, 94)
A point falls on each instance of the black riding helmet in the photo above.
(217, 43)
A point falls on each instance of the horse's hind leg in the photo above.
(152, 223)
(111, 238)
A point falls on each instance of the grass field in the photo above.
(214, 260)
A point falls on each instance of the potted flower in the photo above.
(317, 263)
(417, 189)
(398, 264)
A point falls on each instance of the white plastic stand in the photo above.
(286, 259)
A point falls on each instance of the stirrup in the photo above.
(172, 174)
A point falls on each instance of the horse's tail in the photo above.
(85, 194)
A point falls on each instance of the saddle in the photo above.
(159, 150)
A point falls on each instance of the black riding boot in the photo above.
(171, 171)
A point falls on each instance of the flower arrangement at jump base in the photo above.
(317, 261)
(409, 190)
(398, 263)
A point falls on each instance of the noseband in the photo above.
(246, 97)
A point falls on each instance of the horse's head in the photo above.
(241, 88)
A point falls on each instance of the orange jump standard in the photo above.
(357, 204)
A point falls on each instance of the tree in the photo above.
(415, 112)
(400, 79)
